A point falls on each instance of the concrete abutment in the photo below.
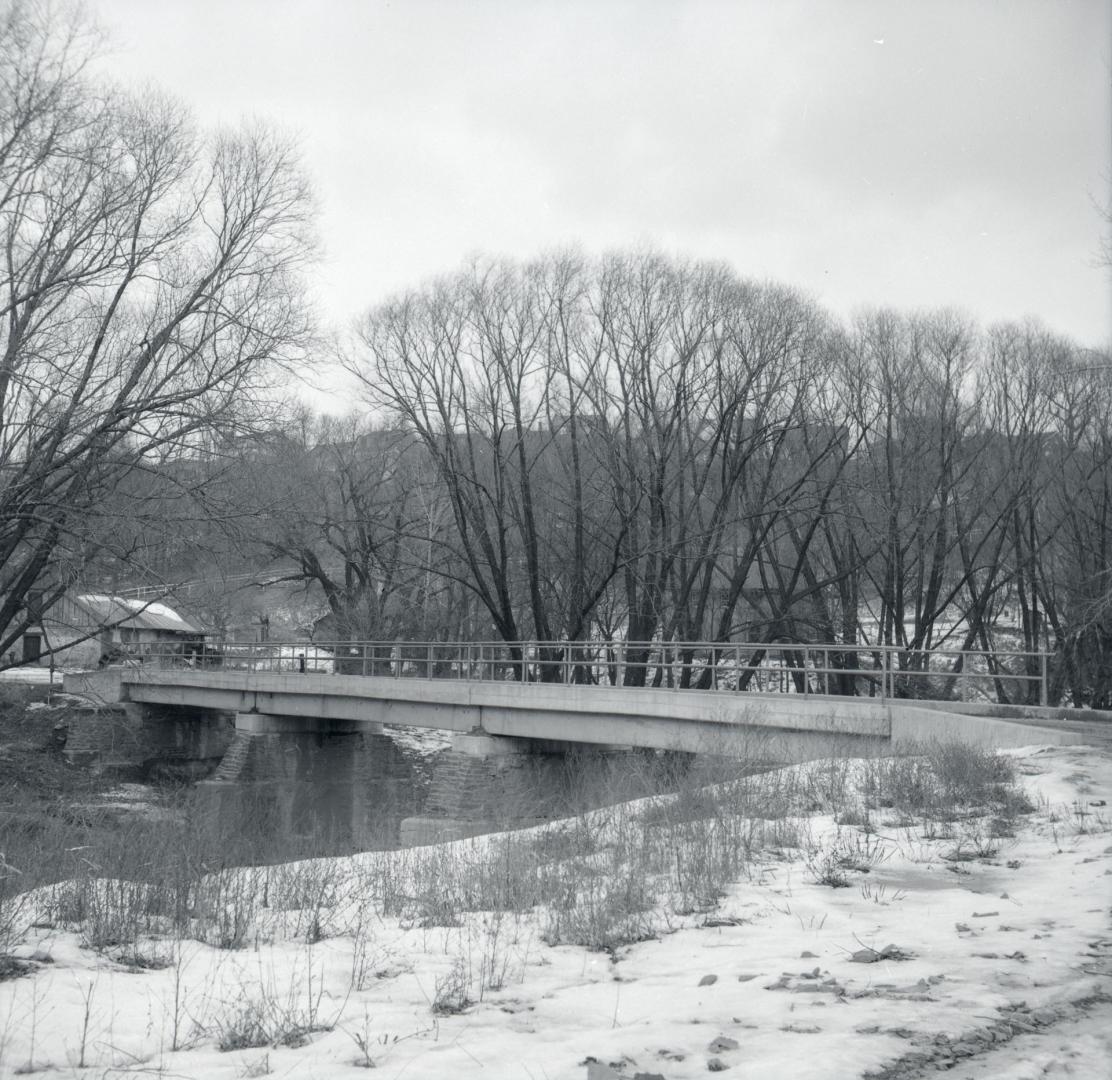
(147, 740)
(483, 783)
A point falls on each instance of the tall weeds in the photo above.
(600, 878)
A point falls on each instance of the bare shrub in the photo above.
(265, 1015)
(845, 852)
(944, 781)
(605, 911)
(307, 892)
(452, 993)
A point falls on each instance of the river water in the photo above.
(308, 794)
(312, 794)
(344, 792)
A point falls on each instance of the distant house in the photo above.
(87, 629)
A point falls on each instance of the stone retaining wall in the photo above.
(126, 737)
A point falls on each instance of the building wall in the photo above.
(67, 622)
(83, 654)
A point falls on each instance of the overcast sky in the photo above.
(914, 154)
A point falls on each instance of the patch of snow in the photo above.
(1028, 924)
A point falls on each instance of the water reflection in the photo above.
(329, 793)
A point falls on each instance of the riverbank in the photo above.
(34, 722)
(827, 921)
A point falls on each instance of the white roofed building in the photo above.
(87, 629)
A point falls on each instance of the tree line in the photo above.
(644, 448)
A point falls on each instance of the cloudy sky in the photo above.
(951, 153)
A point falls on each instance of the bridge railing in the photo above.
(884, 671)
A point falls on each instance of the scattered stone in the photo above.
(985, 914)
(721, 1044)
(746, 978)
(597, 1070)
(829, 986)
(671, 1055)
(708, 980)
(648, 1076)
(807, 955)
(873, 956)
(716, 1065)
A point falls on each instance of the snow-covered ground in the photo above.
(31, 674)
(997, 966)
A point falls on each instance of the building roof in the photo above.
(134, 614)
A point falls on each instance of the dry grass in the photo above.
(602, 878)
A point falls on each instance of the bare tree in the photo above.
(151, 279)
(352, 510)
(1050, 413)
(483, 369)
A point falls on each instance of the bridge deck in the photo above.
(691, 720)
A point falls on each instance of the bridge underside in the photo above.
(781, 726)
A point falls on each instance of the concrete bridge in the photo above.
(509, 731)
(544, 715)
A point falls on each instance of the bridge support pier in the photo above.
(485, 783)
(478, 744)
